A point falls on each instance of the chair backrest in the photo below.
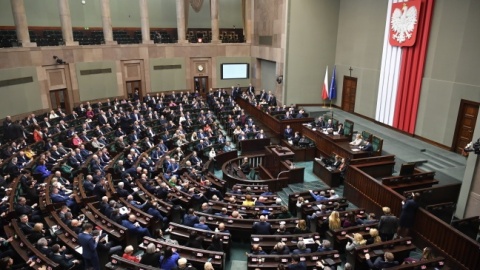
(377, 145)
(367, 136)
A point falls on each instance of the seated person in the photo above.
(367, 147)
(128, 254)
(245, 166)
(301, 248)
(339, 130)
(358, 140)
(382, 263)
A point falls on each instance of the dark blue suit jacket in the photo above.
(89, 246)
(201, 226)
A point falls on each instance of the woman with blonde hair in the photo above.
(374, 237)
(355, 241)
(208, 266)
(334, 221)
(301, 227)
(358, 140)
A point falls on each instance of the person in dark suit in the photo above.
(190, 218)
(133, 227)
(25, 225)
(61, 258)
(151, 256)
(288, 133)
(381, 263)
(201, 224)
(89, 247)
(367, 147)
(407, 217)
(245, 166)
(262, 226)
(340, 129)
(251, 90)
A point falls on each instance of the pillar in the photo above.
(66, 21)
(107, 23)
(248, 22)
(181, 22)
(21, 25)
(214, 15)
(145, 23)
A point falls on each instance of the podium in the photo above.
(274, 155)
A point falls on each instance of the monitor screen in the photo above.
(235, 71)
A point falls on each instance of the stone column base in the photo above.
(71, 43)
(111, 42)
(147, 42)
(29, 44)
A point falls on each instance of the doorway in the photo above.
(349, 93)
(200, 84)
(466, 120)
(131, 86)
(59, 100)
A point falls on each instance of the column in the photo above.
(214, 15)
(20, 19)
(66, 21)
(107, 23)
(181, 21)
(248, 22)
(145, 22)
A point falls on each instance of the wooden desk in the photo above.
(310, 259)
(253, 145)
(197, 257)
(329, 177)
(276, 125)
(301, 153)
(267, 242)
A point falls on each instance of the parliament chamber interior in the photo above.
(193, 134)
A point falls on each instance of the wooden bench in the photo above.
(431, 264)
(197, 257)
(181, 233)
(436, 194)
(400, 248)
(267, 242)
(468, 226)
(120, 263)
(409, 182)
(310, 259)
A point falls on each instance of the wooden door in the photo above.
(467, 117)
(200, 84)
(59, 99)
(348, 93)
(132, 86)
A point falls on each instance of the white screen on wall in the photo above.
(234, 71)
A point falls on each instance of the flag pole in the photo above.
(324, 104)
(330, 104)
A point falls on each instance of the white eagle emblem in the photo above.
(403, 23)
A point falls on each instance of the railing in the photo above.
(460, 251)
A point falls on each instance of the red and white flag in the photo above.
(325, 86)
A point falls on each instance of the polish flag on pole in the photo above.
(325, 86)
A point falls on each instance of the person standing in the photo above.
(89, 247)
(407, 217)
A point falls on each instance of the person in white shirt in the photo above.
(358, 140)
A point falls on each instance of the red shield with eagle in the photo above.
(404, 23)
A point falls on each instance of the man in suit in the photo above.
(89, 247)
(367, 147)
(61, 259)
(134, 227)
(190, 219)
(260, 135)
(201, 224)
(262, 226)
(251, 90)
(58, 198)
(22, 208)
(121, 191)
(99, 190)
(25, 226)
(88, 186)
(288, 133)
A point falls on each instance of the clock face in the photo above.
(200, 67)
